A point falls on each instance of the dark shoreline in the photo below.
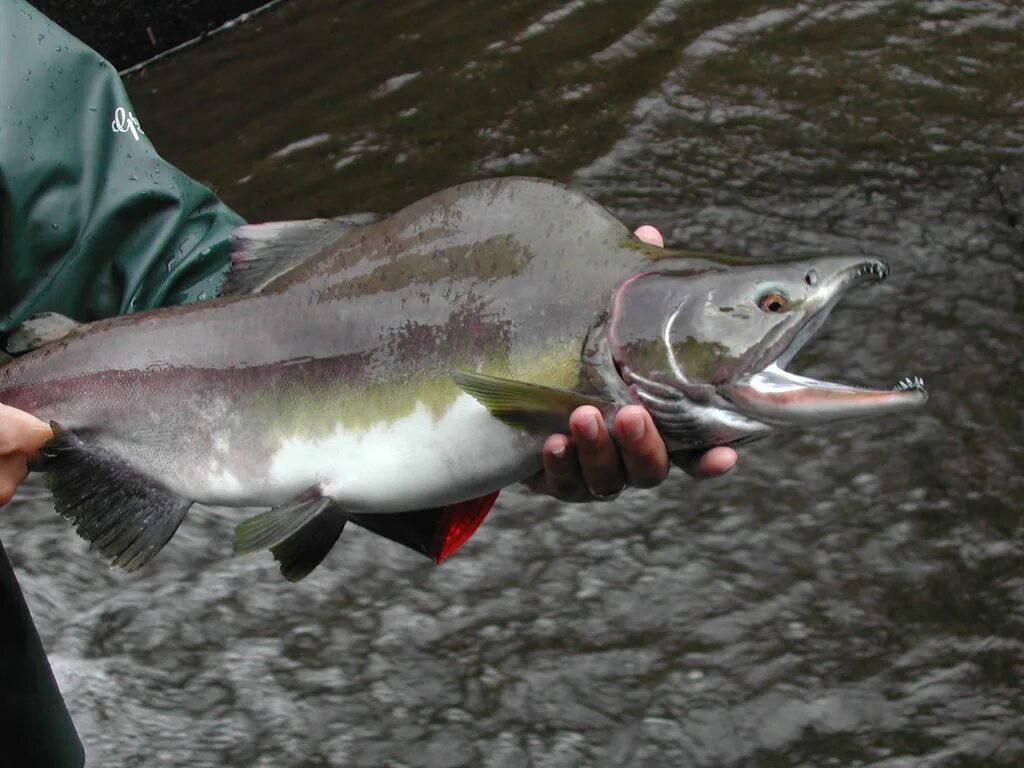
(129, 32)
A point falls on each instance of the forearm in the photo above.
(93, 222)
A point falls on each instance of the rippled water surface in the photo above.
(849, 597)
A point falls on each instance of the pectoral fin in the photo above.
(523, 406)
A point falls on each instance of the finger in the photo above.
(706, 464)
(562, 467)
(21, 432)
(643, 451)
(561, 476)
(13, 471)
(600, 465)
(651, 235)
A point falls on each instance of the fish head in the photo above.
(705, 348)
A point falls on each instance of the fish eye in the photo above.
(773, 302)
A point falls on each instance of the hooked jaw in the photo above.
(778, 396)
(775, 395)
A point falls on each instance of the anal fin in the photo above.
(299, 535)
(305, 549)
(127, 516)
(270, 528)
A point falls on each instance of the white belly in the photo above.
(414, 462)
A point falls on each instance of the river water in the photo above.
(847, 597)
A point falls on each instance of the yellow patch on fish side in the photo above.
(313, 409)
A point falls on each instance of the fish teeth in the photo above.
(911, 382)
(876, 269)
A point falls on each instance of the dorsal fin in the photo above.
(40, 330)
(260, 253)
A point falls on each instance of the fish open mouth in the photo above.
(774, 394)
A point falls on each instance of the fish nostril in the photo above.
(811, 278)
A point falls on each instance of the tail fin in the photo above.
(122, 513)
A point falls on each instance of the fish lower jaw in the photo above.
(785, 398)
(906, 384)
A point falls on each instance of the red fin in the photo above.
(458, 523)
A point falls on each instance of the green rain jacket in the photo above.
(93, 223)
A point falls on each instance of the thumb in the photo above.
(21, 432)
(702, 465)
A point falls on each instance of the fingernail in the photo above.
(589, 427)
(634, 427)
(558, 451)
(650, 234)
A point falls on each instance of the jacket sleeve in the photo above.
(93, 222)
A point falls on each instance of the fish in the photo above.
(398, 374)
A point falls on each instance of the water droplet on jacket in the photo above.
(54, 226)
(133, 178)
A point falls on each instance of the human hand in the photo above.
(22, 435)
(590, 467)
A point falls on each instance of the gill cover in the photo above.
(693, 330)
